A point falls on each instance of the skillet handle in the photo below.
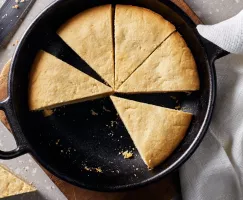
(21, 142)
(214, 52)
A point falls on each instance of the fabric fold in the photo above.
(215, 170)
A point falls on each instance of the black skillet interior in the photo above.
(73, 138)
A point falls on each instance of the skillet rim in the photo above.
(209, 60)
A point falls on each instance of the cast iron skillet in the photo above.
(72, 138)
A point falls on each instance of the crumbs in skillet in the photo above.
(99, 170)
(91, 169)
(87, 168)
(57, 142)
(127, 154)
(47, 112)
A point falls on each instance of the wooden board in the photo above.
(166, 189)
(187, 10)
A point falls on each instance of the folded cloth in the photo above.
(215, 170)
(227, 34)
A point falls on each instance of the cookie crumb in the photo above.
(127, 154)
(99, 170)
(91, 169)
(87, 168)
(57, 142)
(47, 112)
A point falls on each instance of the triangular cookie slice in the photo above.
(55, 83)
(155, 131)
(169, 68)
(11, 185)
(138, 31)
(90, 35)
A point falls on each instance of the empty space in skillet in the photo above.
(73, 138)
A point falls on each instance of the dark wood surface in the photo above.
(166, 189)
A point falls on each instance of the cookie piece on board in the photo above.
(11, 185)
